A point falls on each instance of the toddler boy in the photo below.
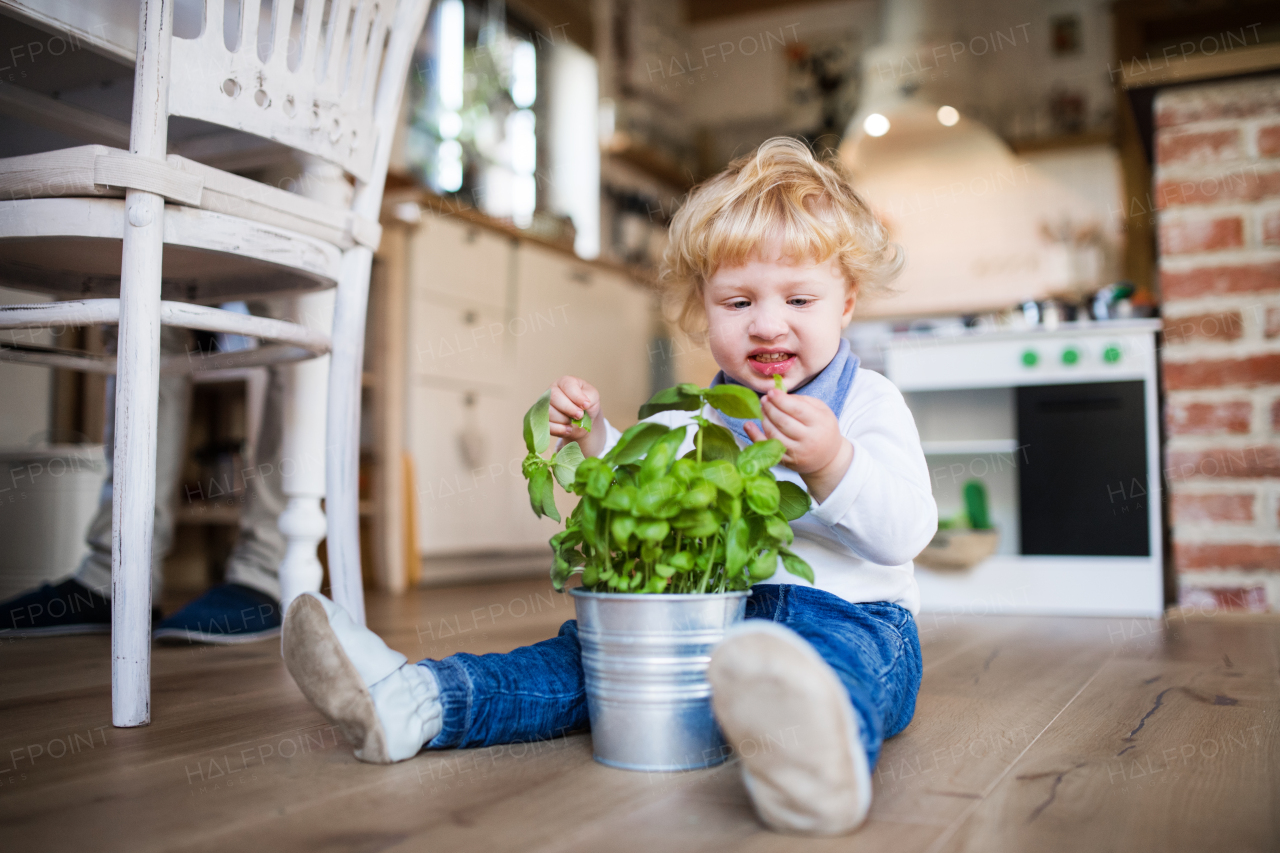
(766, 262)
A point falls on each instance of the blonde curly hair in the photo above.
(779, 192)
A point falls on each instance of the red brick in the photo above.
(1225, 555)
(1220, 326)
(1243, 99)
(1269, 141)
(1190, 509)
(1201, 235)
(1271, 228)
(1257, 461)
(1219, 373)
(1208, 599)
(1209, 418)
(1213, 281)
(1211, 146)
(1273, 323)
(1247, 184)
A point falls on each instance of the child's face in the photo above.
(775, 316)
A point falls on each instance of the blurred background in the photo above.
(1088, 195)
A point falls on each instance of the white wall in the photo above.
(574, 188)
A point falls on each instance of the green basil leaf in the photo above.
(724, 476)
(583, 422)
(778, 529)
(735, 401)
(585, 469)
(623, 527)
(599, 481)
(621, 499)
(660, 456)
(717, 443)
(682, 560)
(697, 524)
(796, 566)
(794, 501)
(565, 464)
(652, 496)
(762, 455)
(635, 442)
(698, 495)
(683, 397)
(541, 494)
(547, 494)
(537, 425)
(738, 550)
(764, 566)
(762, 494)
(652, 531)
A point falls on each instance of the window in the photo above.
(475, 119)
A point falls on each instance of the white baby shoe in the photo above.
(787, 716)
(386, 707)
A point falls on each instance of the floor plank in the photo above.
(1029, 734)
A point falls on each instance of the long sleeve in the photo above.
(883, 509)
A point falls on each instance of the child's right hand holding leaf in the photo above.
(575, 411)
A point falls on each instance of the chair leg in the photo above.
(302, 461)
(134, 466)
(342, 471)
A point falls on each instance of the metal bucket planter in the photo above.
(645, 660)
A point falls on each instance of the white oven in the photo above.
(1062, 428)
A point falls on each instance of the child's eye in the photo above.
(798, 300)
(739, 303)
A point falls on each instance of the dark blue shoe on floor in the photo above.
(225, 615)
(50, 611)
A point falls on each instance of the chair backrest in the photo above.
(329, 85)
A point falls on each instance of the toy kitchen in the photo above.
(1043, 448)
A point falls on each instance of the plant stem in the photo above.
(702, 587)
(608, 519)
(697, 438)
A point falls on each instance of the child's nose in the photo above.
(766, 324)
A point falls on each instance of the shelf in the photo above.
(654, 163)
(1085, 139)
(971, 446)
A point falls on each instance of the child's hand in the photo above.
(570, 398)
(810, 432)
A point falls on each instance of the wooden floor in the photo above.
(1031, 734)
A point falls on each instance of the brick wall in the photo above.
(1218, 191)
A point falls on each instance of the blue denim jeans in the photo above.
(537, 692)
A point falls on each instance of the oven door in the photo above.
(1083, 477)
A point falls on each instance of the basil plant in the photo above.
(713, 520)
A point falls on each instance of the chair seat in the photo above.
(284, 341)
(98, 170)
(72, 246)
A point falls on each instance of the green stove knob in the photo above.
(1111, 354)
(1029, 358)
(1070, 355)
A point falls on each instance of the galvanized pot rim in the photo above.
(658, 596)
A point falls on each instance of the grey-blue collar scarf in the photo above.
(831, 386)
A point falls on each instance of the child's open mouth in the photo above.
(768, 363)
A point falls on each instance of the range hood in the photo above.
(973, 218)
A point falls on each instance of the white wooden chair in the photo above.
(167, 234)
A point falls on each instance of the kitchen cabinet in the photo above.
(492, 320)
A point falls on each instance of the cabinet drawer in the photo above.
(459, 340)
(454, 259)
(470, 494)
